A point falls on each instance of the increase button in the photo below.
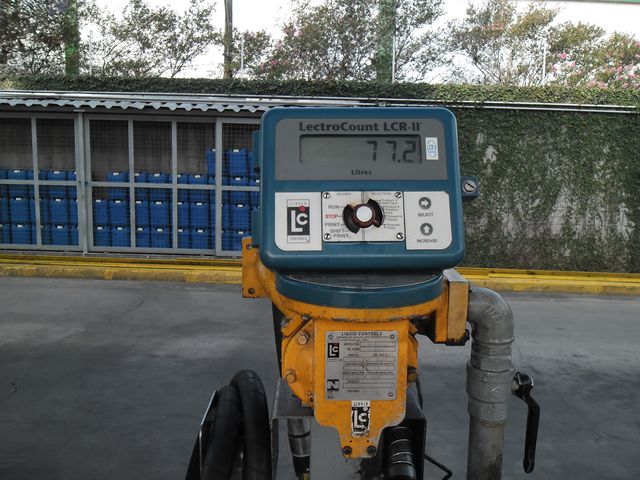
(426, 229)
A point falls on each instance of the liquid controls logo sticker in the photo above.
(333, 350)
(360, 418)
(298, 221)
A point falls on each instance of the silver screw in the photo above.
(285, 322)
(327, 236)
(330, 337)
(469, 186)
(392, 336)
(329, 395)
(391, 394)
(400, 236)
(326, 195)
(398, 194)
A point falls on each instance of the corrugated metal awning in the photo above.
(129, 101)
(258, 103)
(160, 101)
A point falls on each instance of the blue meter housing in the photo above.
(359, 189)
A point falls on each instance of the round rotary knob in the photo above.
(362, 216)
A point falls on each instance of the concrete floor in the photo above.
(107, 380)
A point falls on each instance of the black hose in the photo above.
(399, 458)
(223, 436)
(256, 463)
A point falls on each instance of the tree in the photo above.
(35, 34)
(254, 47)
(499, 43)
(150, 41)
(595, 60)
(419, 49)
(617, 62)
(340, 40)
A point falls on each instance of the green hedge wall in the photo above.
(448, 93)
(559, 190)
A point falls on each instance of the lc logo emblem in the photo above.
(360, 418)
(333, 350)
(298, 220)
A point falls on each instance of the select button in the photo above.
(425, 203)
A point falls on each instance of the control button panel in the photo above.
(427, 220)
(392, 228)
(362, 217)
(304, 220)
(334, 228)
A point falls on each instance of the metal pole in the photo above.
(393, 60)
(228, 37)
(544, 62)
(242, 53)
(489, 382)
(387, 25)
(71, 35)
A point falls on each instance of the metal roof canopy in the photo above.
(258, 103)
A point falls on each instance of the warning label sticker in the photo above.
(361, 364)
(360, 418)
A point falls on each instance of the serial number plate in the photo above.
(361, 365)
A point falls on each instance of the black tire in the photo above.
(223, 437)
(256, 463)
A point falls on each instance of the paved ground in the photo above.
(107, 380)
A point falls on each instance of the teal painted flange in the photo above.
(360, 290)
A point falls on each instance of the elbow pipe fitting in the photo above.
(489, 382)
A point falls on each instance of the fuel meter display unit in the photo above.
(360, 149)
(359, 189)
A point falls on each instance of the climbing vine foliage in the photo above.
(559, 189)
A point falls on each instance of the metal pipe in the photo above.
(299, 431)
(489, 380)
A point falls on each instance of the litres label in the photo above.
(361, 364)
(360, 418)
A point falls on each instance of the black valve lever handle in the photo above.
(523, 384)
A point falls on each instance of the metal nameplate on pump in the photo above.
(361, 365)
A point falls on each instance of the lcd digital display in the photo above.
(359, 150)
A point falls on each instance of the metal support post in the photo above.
(489, 382)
